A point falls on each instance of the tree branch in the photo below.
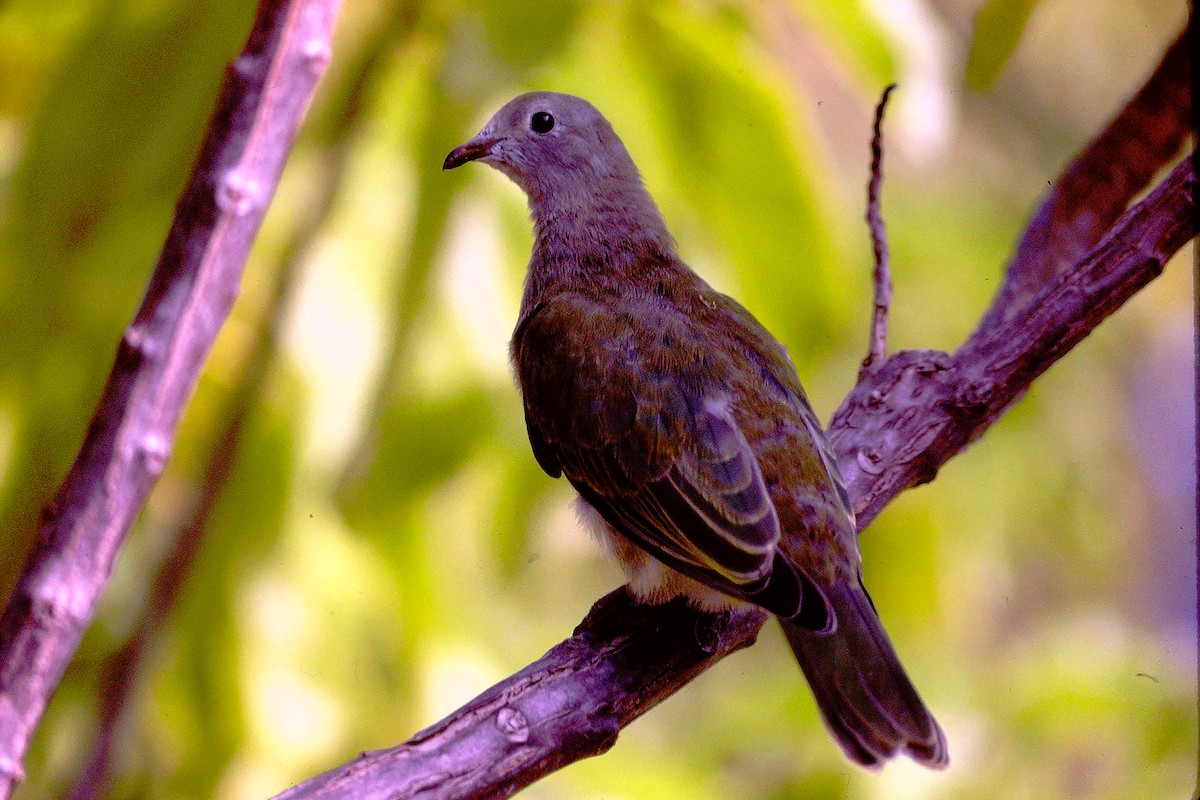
(266, 92)
(623, 659)
(1100, 182)
(895, 430)
(117, 675)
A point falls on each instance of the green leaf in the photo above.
(998, 28)
(852, 31)
(422, 441)
(738, 150)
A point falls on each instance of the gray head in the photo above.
(570, 162)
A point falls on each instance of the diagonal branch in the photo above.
(1099, 183)
(120, 671)
(923, 407)
(623, 659)
(897, 427)
(904, 419)
(266, 93)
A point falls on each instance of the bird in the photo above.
(682, 425)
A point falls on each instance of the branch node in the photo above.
(155, 450)
(238, 193)
(53, 600)
(11, 770)
(246, 66)
(318, 52)
(877, 346)
(513, 724)
(136, 345)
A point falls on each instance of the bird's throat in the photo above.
(597, 224)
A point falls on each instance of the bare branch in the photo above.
(266, 93)
(896, 430)
(904, 419)
(1097, 186)
(119, 671)
(623, 659)
(877, 346)
(897, 427)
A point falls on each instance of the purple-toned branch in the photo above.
(895, 430)
(623, 659)
(266, 92)
(897, 427)
(1100, 182)
(342, 111)
(877, 346)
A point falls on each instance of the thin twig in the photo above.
(923, 407)
(266, 92)
(877, 346)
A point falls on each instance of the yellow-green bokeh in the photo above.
(386, 547)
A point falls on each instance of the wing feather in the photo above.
(648, 435)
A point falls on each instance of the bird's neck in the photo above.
(596, 236)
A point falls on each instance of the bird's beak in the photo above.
(477, 148)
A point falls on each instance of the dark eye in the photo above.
(541, 122)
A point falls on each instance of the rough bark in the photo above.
(1098, 184)
(266, 92)
(118, 674)
(623, 659)
(896, 429)
(906, 417)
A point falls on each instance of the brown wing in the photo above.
(633, 411)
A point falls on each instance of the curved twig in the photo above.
(877, 346)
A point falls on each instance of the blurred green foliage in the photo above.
(386, 546)
(998, 28)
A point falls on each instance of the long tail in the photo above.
(865, 697)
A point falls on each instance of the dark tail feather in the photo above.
(865, 697)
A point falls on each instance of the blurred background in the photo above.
(352, 538)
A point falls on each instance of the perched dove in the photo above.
(682, 424)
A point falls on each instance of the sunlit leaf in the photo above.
(998, 28)
(736, 151)
(854, 32)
